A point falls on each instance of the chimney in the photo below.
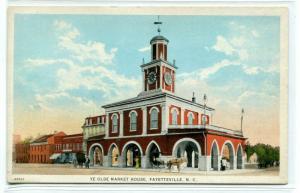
(193, 98)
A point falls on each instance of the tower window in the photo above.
(154, 51)
(154, 118)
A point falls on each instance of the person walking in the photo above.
(87, 162)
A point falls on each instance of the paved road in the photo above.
(67, 169)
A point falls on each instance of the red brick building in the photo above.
(158, 123)
(65, 150)
(22, 152)
(43, 147)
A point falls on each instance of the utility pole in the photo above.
(242, 117)
(204, 117)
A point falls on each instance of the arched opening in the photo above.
(132, 156)
(96, 155)
(214, 156)
(239, 157)
(113, 156)
(227, 158)
(153, 153)
(190, 149)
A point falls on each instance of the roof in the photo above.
(153, 95)
(159, 37)
(73, 135)
(159, 60)
(42, 138)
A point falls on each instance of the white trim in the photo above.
(133, 111)
(135, 136)
(154, 107)
(174, 108)
(149, 144)
(114, 115)
(190, 112)
(96, 144)
(132, 142)
(211, 147)
(189, 140)
(228, 141)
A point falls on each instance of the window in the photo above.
(154, 118)
(114, 123)
(190, 118)
(133, 116)
(204, 119)
(174, 117)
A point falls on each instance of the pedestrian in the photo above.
(87, 162)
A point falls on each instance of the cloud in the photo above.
(222, 45)
(255, 33)
(82, 51)
(206, 72)
(38, 62)
(87, 66)
(145, 49)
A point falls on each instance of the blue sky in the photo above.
(72, 64)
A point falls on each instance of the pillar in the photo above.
(121, 123)
(106, 161)
(164, 119)
(107, 125)
(144, 109)
(145, 162)
(203, 164)
(182, 116)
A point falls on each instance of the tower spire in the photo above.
(158, 23)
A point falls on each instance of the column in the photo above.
(203, 164)
(234, 163)
(182, 116)
(145, 162)
(144, 109)
(164, 119)
(106, 162)
(107, 125)
(121, 123)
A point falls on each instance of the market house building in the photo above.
(158, 123)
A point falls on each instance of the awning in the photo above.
(55, 156)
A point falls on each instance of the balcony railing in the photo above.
(210, 127)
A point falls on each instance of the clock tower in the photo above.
(159, 74)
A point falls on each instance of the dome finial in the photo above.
(158, 23)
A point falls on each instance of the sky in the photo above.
(67, 66)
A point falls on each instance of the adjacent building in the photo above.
(53, 148)
(22, 152)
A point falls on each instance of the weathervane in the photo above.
(158, 23)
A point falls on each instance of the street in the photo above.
(68, 169)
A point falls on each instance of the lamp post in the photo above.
(242, 117)
(204, 101)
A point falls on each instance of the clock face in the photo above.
(168, 78)
(151, 77)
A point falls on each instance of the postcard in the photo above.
(161, 95)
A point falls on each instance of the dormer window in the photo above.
(86, 121)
